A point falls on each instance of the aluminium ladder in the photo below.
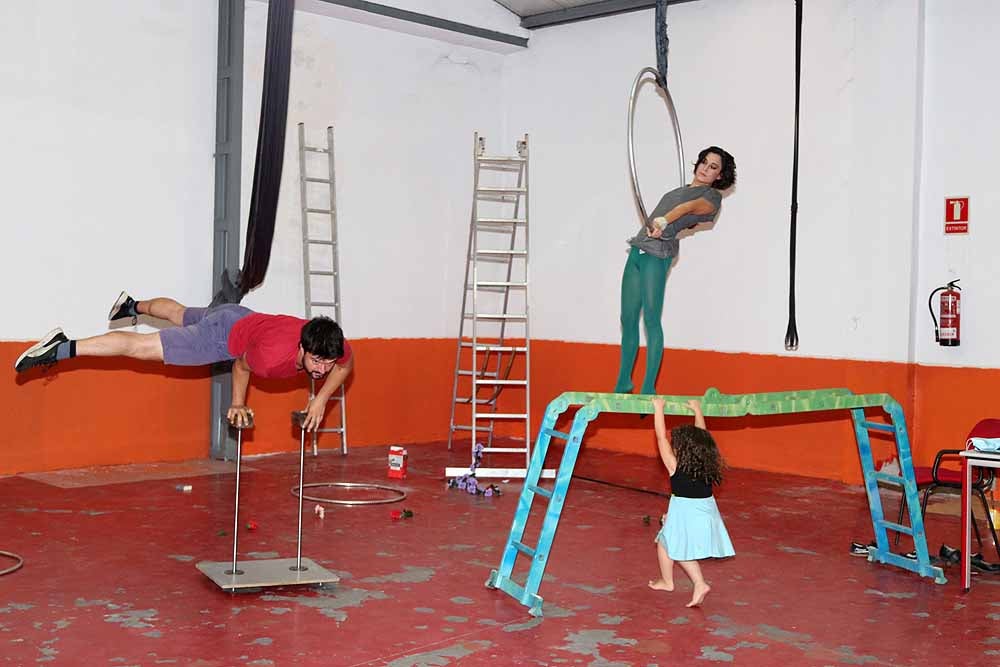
(320, 262)
(492, 357)
(714, 404)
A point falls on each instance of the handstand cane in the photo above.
(236, 505)
(261, 573)
(299, 419)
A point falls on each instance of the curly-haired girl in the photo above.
(693, 528)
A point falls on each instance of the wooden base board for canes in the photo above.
(251, 575)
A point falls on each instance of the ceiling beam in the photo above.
(429, 21)
(591, 11)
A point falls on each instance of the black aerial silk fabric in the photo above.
(270, 154)
(270, 144)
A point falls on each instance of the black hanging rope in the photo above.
(662, 43)
(270, 154)
(270, 143)
(792, 334)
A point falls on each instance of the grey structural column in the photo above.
(226, 226)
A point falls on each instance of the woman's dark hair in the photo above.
(727, 175)
(697, 454)
(322, 337)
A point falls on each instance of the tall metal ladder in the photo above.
(714, 404)
(490, 360)
(320, 261)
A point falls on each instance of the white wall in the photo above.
(108, 132)
(732, 80)
(404, 110)
(107, 126)
(960, 141)
(857, 207)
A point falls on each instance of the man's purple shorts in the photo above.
(204, 338)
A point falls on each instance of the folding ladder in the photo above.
(492, 357)
(320, 264)
(714, 404)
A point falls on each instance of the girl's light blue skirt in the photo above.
(694, 530)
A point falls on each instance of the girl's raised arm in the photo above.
(662, 440)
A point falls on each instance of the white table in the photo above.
(972, 458)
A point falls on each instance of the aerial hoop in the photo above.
(631, 142)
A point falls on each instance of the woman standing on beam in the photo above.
(653, 250)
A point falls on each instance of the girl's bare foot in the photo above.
(698, 595)
(661, 585)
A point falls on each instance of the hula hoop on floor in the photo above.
(399, 493)
(13, 568)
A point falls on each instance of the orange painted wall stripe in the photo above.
(100, 411)
(96, 412)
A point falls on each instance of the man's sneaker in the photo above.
(124, 307)
(861, 550)
(42, 353)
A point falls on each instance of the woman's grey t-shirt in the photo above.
(668, 245)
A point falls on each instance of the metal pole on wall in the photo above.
(226, 227)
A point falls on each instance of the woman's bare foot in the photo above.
(698, 595)
(661, 585)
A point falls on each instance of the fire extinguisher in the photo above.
(949, 333)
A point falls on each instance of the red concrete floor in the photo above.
(110, 578)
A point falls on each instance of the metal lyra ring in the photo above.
(631, 143)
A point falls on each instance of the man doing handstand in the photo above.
(270, 346)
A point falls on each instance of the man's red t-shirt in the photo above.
(271, 344)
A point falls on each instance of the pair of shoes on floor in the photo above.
(861, 550)
(42, 353)
(978, 563)
(946, 555)
(976, 560)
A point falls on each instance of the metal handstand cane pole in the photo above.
(300, 419)
(262, 573)
(236, 511)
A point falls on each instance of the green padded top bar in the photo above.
(716, 404)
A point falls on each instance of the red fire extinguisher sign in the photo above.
(956, 215)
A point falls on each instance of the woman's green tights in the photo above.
(644, 282)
